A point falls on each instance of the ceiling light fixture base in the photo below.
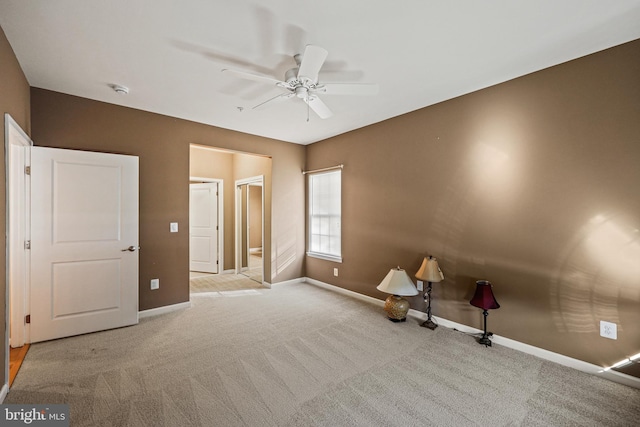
(119, 89)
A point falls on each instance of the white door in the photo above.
(84, 241)
(203, 227)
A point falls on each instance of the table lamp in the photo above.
(398, 284)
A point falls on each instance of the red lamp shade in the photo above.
(483, 297)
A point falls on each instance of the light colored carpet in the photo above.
(298, 355)
(222, 283)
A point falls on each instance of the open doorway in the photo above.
(227, 168)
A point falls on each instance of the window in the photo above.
(325, 215)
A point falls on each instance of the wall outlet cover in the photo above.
(155, 284)
(608, 330)
(173, 227)
(420, 285)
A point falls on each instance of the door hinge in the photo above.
(27, 318)
(27, 244)
(27, 170)
(217, 262)
(217, 228)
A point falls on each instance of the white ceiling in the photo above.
(420, 52)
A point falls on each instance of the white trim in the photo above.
(254, 180)
(220, 197)
(325, 257)
(560, 359)
(290, 282)
(163, 310)
(314, 254)
(3, 392)
(16, 294)
(220, 216)
(203, 179)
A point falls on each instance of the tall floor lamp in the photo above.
(484, 299)
(429, 272)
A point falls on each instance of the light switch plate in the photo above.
(173, 227)
(420, 285)
(155, 284)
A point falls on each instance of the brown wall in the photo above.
(162, 144)
(531, 184)
(14, 99)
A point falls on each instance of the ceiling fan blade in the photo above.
(273, 100)
(348, 89)
(255, 77)
(312, 61)
(318, 106)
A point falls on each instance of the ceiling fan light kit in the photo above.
(302, 82)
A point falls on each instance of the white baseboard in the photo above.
(3, 392)
(290, 282)
(344, 291)
(560, 359)
(162, 310)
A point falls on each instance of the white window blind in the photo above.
(325, 215)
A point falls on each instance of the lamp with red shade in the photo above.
(484, 299)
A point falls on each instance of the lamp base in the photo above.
(396, 308)
(484, 340)
(429, 324)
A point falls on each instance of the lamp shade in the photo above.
(483, 298)
(430, 271)
(397, 282)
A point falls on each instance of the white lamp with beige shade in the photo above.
(398, 284)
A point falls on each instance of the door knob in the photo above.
(131, 249)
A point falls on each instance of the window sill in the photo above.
(325, 257)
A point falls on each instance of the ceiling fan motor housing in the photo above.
(291, 75)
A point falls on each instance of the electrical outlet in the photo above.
(335, 272)
(173, 227)
(155, 284)
(420, 285)
(608, 330)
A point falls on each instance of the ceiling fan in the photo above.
(302, 82)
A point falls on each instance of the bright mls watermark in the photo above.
(34, 415)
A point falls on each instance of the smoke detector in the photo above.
(119, 89)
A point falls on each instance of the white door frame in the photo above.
(220, 217)
(17, 231)
(239, 182)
